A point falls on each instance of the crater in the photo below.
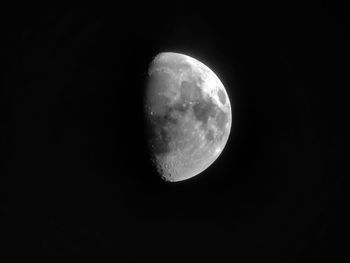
(222, 96)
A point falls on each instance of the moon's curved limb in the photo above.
(190, 113)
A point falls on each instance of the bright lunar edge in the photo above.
(188, 114)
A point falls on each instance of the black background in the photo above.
(77, 184)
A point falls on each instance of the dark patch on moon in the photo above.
(164, 126)
(209, 135)
(190, 91)
(169, 116)
(221, 119)
(203, 110)
(222, 96)
(181, 107)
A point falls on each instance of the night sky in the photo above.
(76, 181)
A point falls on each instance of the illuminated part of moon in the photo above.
(189, 115)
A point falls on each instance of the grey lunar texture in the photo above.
(189, 116)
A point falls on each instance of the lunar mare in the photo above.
(189, 115)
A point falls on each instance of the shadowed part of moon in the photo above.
(155, 87)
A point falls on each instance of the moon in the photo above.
(188, 114)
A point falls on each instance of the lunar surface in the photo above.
(188, 114)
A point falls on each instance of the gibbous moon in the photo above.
(188, 114)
